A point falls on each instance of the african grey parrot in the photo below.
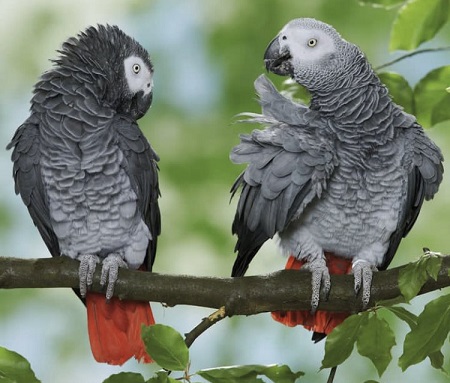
(342, 181)
(89, 177)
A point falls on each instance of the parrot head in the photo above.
(115, 64)
(312, 53)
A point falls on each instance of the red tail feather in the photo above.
(115, 329)
(322, 322)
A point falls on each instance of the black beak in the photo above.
(140, 105)
(277, 61)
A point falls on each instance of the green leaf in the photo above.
(340, 342)
(417, 21)
(386, 4)
(433, 266)
(430, 333)
(413, 276)
(399, 89)
(404, 315)
(431, 98)
(15, 368)
(125, 377)
(281, 374)
(375, 341)
(162, 377)
(437, 360)
(390, 302)
(166, 347)
(250, 373)
(410, 280)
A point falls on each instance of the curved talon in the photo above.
(110, 272)
(363, 272)
(88, 262)
(320, 278)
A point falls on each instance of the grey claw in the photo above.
(320, 278)
(88, 262)
(363, 272)
(110, 272)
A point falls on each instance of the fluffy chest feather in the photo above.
(92, 204)
(359, 209)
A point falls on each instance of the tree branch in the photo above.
(282, 290)
(405, 56)
(204, 325)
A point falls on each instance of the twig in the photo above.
(332, 374)
(420, 51)
(204, 325)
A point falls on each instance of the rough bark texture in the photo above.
(282, 290)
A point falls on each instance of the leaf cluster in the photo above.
(167, 347)
(374, 337)
(416, 22)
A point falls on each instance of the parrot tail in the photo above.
(115, 328)
(321, 322)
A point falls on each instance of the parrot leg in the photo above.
(88, 262)
(320, 278)
(110, 272)
(363, 272)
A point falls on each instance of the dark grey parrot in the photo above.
(340, 181)
(89, 177)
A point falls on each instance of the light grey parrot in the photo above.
(89, 177)
(343, 178)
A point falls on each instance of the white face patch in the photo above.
(306, 45)
(138, 75)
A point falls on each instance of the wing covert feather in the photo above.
(424, 177)
(288, 166)
(28, 180)
(141, 166)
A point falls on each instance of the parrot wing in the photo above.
(28, 180)
(279, 107)
(289, 166)
(141, 166)
(422, 183)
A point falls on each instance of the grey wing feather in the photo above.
(280, 108)
(424, 178)
(141, 166)
(28, 180)
(288, 167)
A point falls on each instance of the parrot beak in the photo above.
(140, 104)
(276, 59)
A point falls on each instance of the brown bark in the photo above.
(282, 290)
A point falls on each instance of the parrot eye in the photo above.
(284, 37)
(312, 43)
(136, 68)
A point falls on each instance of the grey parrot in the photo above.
(340, 181)
(89, 177)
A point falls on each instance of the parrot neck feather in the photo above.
(362, 112)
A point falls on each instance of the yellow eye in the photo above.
(136, 68)
(312, 42)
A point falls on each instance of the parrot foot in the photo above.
(88, 262)
(110, 272)
(320, 278)
(363, 272)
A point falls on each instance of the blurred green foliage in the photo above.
(196, 174)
